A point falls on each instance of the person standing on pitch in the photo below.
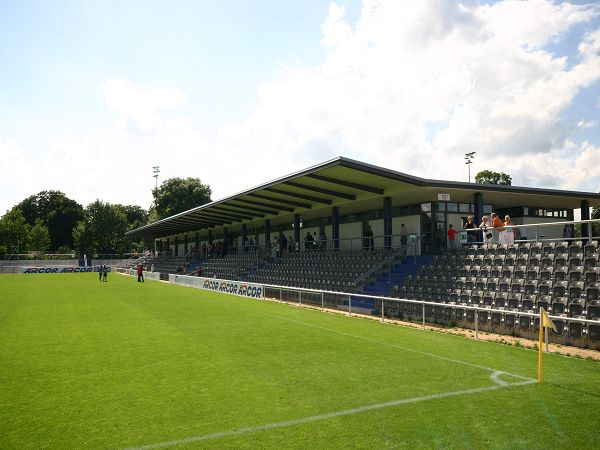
(100, 273)
(104, 272)
(140, 273)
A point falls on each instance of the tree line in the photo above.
(50, 222)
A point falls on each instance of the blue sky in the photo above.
(95, 93)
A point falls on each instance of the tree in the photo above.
(14, 231)
(58, 212)
(102, 229)
(136, 216)
(40, 237)
(491, 177)
(176, 195)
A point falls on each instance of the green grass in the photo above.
(122, 364)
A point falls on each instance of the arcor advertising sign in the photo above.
(61, 269)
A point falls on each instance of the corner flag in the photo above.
(545, 322)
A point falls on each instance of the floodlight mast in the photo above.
(156, 170)
(469, 160)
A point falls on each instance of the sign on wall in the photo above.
(240, 288)
(50, 269)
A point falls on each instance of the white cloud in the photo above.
(414, 86)
(141, 107)
(587, 124)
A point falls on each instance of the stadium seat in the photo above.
(559, 305)
(510, 320)
(576, 307)
(594, 332)
(535, 249)
(575, 247)
(531, 287)
(590, 261)
(517, 286)
(547, 261)
(576, 274)
(492, 284)
(534, 261)
(546, 274)
(522, 260)
(545, 288)
(533, 273)
(592, 275)
(470, 315)
(576, 329)
(590, 248)
(528, 302)
(576, 289)
(561, 273)
(560, 289)
(543, 302)
(465, 296)
(514, 301)
(476, 297)
(484, 272)
(496, 319)
(489, 298)
(561, 260)
(512, 250)
(523, 249)
(575, 260)
(483, 317)
(562, 248)
(525, 323)
(471, 283)
(592, 292)
(549, 249)
(593, 309)
(501, 300)
(504, 284)
(520, 272)
(560, 326)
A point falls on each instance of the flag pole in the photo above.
(541, 345)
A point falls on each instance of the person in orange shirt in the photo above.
(451, 236)
(499, 227)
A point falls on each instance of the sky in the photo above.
(93, 94)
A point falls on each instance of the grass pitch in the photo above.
(85, 364)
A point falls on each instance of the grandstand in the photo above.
(338, 201)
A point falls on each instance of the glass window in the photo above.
(452, 207)
(426, 207)
(464, 207)
(440, 217)
(440, 206)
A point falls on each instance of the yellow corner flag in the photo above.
(545, 322)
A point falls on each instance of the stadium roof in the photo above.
(353, 186)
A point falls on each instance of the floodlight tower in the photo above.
(156, 170)
(469, 160)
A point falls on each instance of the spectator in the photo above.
(323, 240)
(451, 236)
(486, 230)
(509, 233)
(308, 241)
(498, 225)
(403, 235)
(471, 230)
(140, 273)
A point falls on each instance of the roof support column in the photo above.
(477, 208)
(244, 234)
(585, 215)
(267, 231)
(210, 236)
(387, 222)
(297, 230)
(335, 227)
(176, 245)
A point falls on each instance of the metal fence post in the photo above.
(382, 310)
(322, 300)
(280, 294)
(350, 304)
(300, 297)
(423, 305)
(476, 324)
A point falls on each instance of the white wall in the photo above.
(351, 231)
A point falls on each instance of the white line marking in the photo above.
(346, 412)
(408, 349)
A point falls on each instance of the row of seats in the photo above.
(511, 319)
(535, 248)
